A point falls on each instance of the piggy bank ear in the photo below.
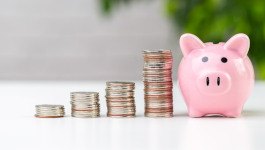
(189, 42)
(238, 43)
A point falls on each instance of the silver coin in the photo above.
(159, 51)
(159, 114)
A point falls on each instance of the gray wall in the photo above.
(72, 40)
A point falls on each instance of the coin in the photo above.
(85, 104)
(157, 78)
(49, 111)
(120, 99)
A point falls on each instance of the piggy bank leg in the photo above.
(233, 114)
(195, 114)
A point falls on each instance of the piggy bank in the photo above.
(215, 79)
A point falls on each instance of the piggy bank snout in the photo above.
(211, 83)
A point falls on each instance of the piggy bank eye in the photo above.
(224, 60)
(204, 59)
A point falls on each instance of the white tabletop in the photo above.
(20, 130)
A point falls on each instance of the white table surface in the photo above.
(20, 130)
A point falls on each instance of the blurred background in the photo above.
(103, 39)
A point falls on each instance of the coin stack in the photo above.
(85, 104)
(157, 78)
(120, 99)
(49, 111)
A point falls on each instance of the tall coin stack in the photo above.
(49, 111)
(157, 78)
(85, 104)
(120, 99)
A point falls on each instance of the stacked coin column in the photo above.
(157, 78)
(85, 104)
(49, 111)
(120, 99)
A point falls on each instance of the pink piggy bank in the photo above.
(215, 78)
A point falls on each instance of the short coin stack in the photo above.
(157, 77)
(120, 99)
(49, 111)
(85, 104)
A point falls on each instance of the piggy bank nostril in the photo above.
(207, 81)
(218, 81)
